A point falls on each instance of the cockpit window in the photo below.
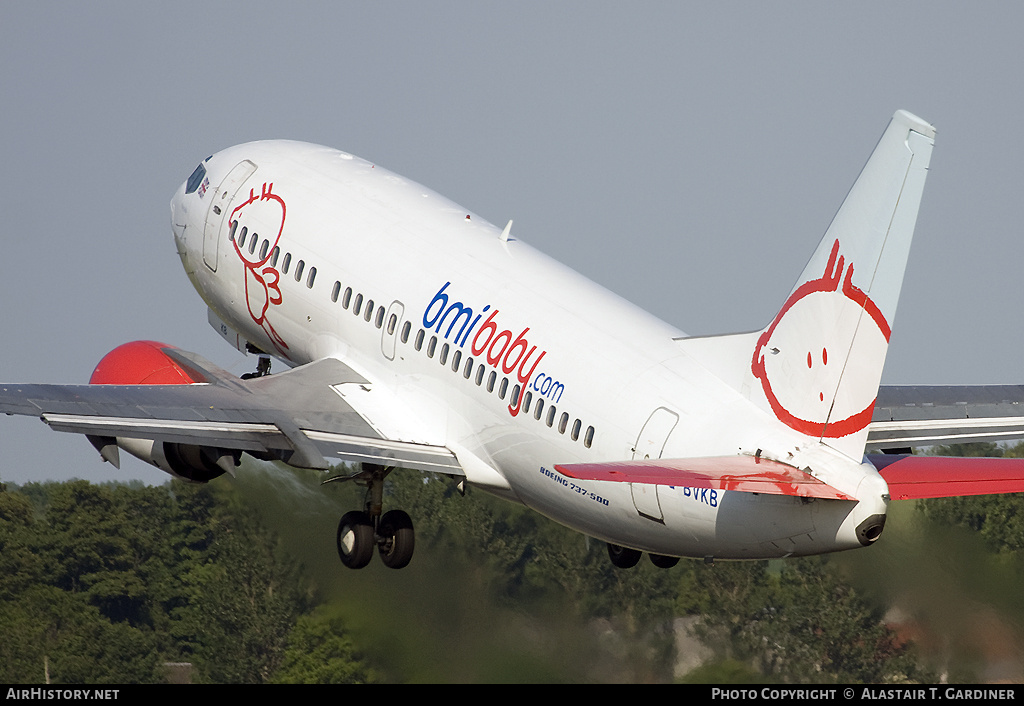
(196, 179)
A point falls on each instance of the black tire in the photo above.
(623, 557)
(397, 539)
(662, 561)
(355, 539)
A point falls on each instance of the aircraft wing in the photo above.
(300, 416)
(743, 473)
(924, 415)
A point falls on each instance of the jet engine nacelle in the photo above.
(146, 363)
(141, 363)
(199, 464)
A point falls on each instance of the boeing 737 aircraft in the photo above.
(418, 336)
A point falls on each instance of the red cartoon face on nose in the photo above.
(816, 360)
(257, 224)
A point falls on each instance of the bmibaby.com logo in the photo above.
(502, 349)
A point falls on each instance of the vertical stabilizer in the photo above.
(819, 362)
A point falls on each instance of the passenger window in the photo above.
(576, 429)
(406, 330)
(298, 269)
(311, 277)
(515, 395)
(252, 243)
(241, 237)
(335, 292)
(469, 368)
(347, 298)
(431, 345)
(263, 249)
(274, 255)
(503, 388)
(444, 354)
(526, 402)
(456, 360)
(379, 321)
(563, 421)
(369, 310)
(392, 323)
(418, 345)
(231, 233)
(287, 262)
(588, 438)
(540, 408)
(490, 381)
(551, 415)
(358, 305)
(480, 375)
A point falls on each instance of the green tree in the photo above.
(242, 600)
(20, 565)
(104, 582)
(999, 519)
(796, 621)
(321, 650)
(56, 634)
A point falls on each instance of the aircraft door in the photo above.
(219, 209)
(390, 329)
(650, 443)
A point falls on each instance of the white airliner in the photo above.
(419, 336)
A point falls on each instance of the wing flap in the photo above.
(923, 477)
(746, 474)
(247, 437)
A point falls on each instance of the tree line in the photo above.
(237, 581)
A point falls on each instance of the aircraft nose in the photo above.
(183, 222)
(179, 216)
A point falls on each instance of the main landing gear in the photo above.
(262, 369)
(626, 558)
(361, 530)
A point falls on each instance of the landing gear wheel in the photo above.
(662, 561)
(623, 557)
(396, 539)
(355, 539)
(262, 369)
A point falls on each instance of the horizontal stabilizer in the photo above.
(746, 474)
(920, 477)
(924, 415)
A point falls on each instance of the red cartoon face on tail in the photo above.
(257, 224)
(820, 359)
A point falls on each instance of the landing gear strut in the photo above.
(262, 369)
(360, 530)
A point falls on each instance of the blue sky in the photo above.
(687, 156)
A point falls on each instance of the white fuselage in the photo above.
(408, 287)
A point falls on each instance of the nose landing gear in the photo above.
(360, 531)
